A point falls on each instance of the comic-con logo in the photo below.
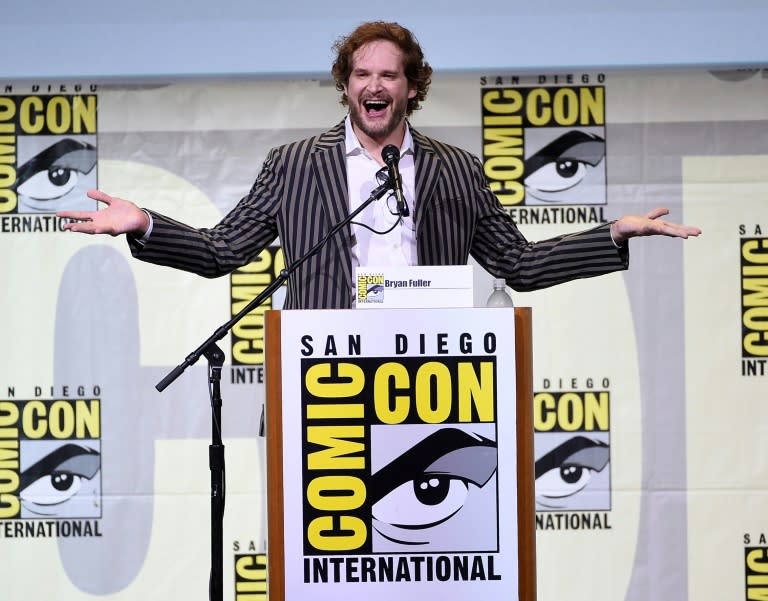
(545, 145)
(400, 455)
(753, 254)
(250, 577)
(248, 340)
(50, 459)
(370, 288)
(755, 567)
(47, 153)
(572, 458)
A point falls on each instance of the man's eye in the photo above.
(50, 183)
(423, 502)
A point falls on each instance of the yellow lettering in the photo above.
(336, 493)
(474, 392)
(348, 380)
(8, 199)
(755, 251)
(33, 420)
(9, 417)
(337, 451)
(31, 115)
(319, 533)
(504, 102)
(433, 408)
(84, 114)
(391, 408)
(9, 506)
(7, 113)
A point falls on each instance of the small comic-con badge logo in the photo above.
(370, 288)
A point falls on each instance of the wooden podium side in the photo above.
(274, 433)
(526, 518)
(526, 508)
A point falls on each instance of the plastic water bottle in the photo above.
(499, 297)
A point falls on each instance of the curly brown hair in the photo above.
(417, 70)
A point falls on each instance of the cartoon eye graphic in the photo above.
(422, 502)
(49, 185)
(55, 171)
(568, 468)
(557, 176)
(57, 477)
(53, 489)
(430, 483)
(562, 164)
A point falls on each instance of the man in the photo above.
(307, 187)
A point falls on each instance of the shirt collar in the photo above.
(353, 146)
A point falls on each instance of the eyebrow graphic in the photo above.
(575, 145)
(448, 451)
(66, 153)
(70, 458)
(593, 454)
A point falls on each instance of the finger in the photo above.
(80, 215)
(657, 212)
(83, 227)
(100, 196)
(680, 231)
(683, 231)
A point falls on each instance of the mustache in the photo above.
(381, 97)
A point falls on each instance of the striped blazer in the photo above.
(301, 193)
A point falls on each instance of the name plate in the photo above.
(414, 287)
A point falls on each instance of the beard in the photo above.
(375, 128)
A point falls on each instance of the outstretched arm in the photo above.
(631, 226)
(119, 217)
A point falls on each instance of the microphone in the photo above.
(391, 156)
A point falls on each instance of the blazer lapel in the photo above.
(330, 169)
(427, 166)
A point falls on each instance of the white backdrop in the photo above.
(647, 370)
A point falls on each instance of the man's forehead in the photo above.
(378, 51)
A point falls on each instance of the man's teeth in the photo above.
(375, 105)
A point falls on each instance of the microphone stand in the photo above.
(215, 357)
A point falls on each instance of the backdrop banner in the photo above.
(651, 454)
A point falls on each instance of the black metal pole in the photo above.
(216, 464)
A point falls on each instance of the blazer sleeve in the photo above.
(235, 241)
(500, 247)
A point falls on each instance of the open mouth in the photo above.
(375, 107)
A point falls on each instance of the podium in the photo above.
(400, 454)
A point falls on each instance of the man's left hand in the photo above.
(631, 226)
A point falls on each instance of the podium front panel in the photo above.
(399, 454)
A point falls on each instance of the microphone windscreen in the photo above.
(390, 154)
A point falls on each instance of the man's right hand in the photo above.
(119, 217)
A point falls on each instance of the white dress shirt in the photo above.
(398, 247)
